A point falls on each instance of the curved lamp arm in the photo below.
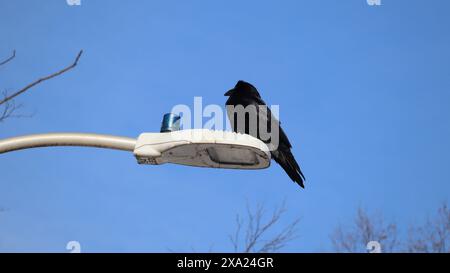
(67, 139)
(194, 147)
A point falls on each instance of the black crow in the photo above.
(246, 94)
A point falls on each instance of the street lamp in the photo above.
(194, 147)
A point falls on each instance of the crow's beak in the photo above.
(229, 92)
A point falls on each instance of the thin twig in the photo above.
(235, 238)
(10, 97)
(8, 109)
(257, 230)
(9, 59)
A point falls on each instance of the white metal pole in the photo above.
(67, 139)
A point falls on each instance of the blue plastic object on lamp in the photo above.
(170, 123)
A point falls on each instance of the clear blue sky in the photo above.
(364, 96)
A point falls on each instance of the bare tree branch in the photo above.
(433, 236)
(9, 108)
(235, 238)
(15, 94)
(280, 240)
(258, 229)
(9, 58)
(365, 228)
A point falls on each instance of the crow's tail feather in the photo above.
(286, 159)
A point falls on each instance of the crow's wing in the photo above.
(283, 155)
